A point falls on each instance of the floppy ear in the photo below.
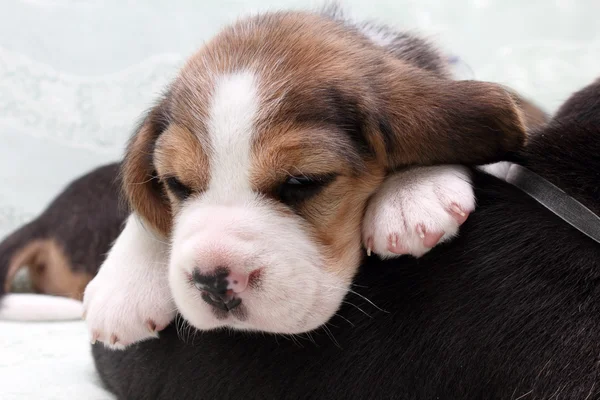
(145, 193)
(427, 120)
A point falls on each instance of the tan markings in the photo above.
(336, 218)
(16, 263)
(50, 270)
(324, 89)
(296, 151)
(300, 56)
(178, 153)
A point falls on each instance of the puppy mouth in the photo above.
(225, 302)
(222, 311)
(256, 283)
(266, 304)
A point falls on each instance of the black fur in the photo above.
(339, 108)
(387, 132)
(181, 191)
(344, 111)
(509, 310)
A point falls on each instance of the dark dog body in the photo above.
(509, 310)
(66, 244)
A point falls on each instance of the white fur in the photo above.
(418, 196)
(130, 289)
(232, 112)
(295, 294)
(499, 169)
(231, 226)
(228, 225)
(37, 307)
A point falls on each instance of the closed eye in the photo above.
(178, 189)
(296, 189)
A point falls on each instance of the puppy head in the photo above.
(259, 161)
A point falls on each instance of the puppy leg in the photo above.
(413, 210)
(129, 300)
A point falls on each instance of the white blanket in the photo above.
(75, 76)
(50, 360)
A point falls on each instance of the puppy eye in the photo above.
(180, 190)
(299, 180)
(299, 188)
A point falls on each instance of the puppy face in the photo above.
(260, 159)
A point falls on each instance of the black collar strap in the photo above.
(555, 200)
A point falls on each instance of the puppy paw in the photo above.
(416, 209)
(129, 300)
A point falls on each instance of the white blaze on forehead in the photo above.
(233, 109)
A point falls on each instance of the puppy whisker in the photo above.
(330, 334)
(358, 308)
(344, 318)
(180, 325)
(359, 286)
(310, 337)
(359, 295)
(293, 338)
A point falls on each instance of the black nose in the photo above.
(214, 289)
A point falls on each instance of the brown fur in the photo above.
(533, 116)
(337, 219)
(332, 102)
(144, 193)
(173, 151)
(50, 270)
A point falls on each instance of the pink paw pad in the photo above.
(393, 245)
(430, 239)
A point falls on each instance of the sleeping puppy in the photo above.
(509, 310)
(249, 179)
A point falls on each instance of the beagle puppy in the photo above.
(285, 144)
(508, 310)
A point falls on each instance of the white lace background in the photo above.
(75, 75)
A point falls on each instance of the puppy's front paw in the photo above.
(415, 209)
(121, 309)
(130, 299)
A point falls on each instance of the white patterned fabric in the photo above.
(75, 75)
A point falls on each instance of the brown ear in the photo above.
(428, 120)
(144, 192)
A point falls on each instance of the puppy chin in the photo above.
(282, 283)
